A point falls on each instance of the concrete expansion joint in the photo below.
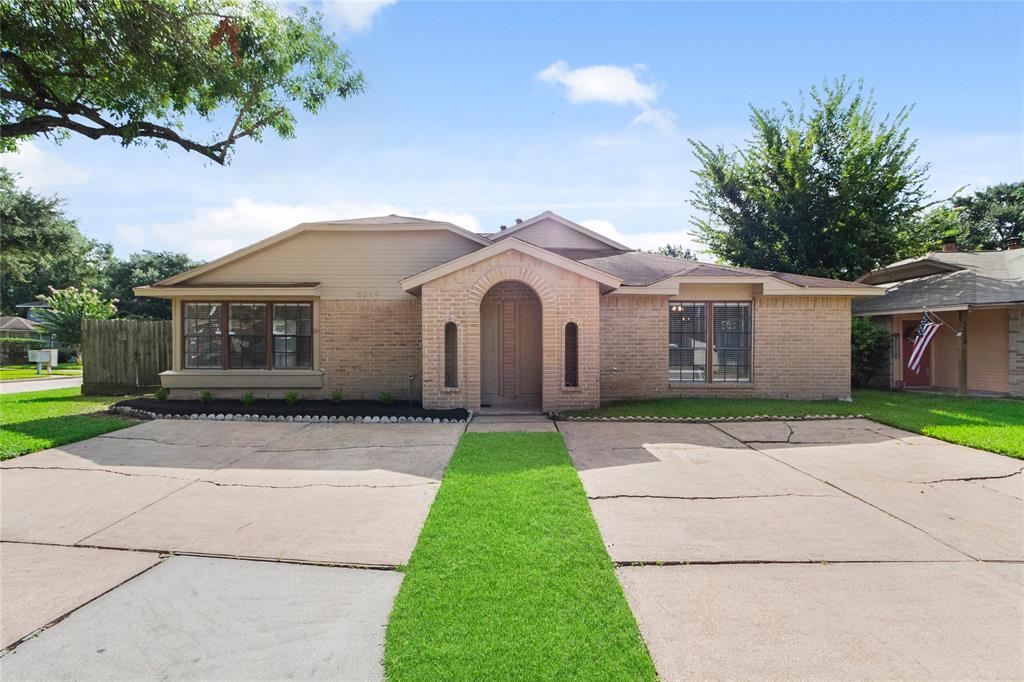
(708, 420)
(266, 449)
(790, 562)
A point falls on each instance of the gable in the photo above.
(551, 231)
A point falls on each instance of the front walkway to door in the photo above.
(510, 347)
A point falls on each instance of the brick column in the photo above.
(1016, 359)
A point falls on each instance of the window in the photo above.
(728, 333)
(451, 355)
(202, 323)
(572, 357)
(293, 336)
(687, 341)
(730, 349)
(247, 335)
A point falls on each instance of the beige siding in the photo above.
(349, 265)
(716, 292)
(549, 234)
(946, 355)
(987, 351)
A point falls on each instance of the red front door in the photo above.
(923, 375)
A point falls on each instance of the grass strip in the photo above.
(994, 424)
(510, 579)
(44, 419)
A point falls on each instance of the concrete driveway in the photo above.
(79, 521)
(825, 549)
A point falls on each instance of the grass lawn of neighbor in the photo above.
(44, 419)
(12, 372)
(510, 579)
(994, 424)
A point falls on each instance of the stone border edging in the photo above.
(146, 414)
(705, 420)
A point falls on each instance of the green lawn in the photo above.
(993, 424)
(510, 579)
(12, 372)
(43, 419)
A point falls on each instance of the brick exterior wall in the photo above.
(1016, 359)
(801, 349)
(369, 347)
(564, 296)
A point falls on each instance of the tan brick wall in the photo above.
(367, 347)
(564, 297)
(801, 349)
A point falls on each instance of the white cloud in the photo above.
(42, 170)
(211, 233)
(603, 83)
(613, 84)
(355, 16)
(646, 241)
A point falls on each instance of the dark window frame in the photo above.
(709, 339)
(571, 360)
(225, 336)
(451, 355)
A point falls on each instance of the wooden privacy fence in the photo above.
(124, 356)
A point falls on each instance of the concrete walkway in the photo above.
(31, 385)
(826, 549)
(97, 520)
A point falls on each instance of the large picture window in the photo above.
(723, 328)
(248, 335)
(203, 327)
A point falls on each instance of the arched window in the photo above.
(451, 355)
(572, 355)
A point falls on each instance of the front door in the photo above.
(490, 353)
(510, 347)
(923, 375)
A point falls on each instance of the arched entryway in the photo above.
(511, 347)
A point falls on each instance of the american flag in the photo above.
(925, 331)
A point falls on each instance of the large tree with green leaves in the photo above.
(826, 188)
(40, 247)
(990, 216)
(140, 269)
(134, 70)
(68, 308)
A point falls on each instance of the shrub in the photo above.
(68, 308)
(385, 398)
(206, 396)
(869, 350)
(336, 395)
(291, 397)
(162, 394)
(248, 398)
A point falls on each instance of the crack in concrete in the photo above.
(261, 450)
(703, 497)
(228, 485)
(792, 562)
(974, 478)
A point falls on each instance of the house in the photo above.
(18, 327)
(976, 294)
(543, 314)
(16, 337)
(31, 309)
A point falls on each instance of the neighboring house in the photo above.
(16, 352)
(544, 314)
(31, 310)
(978, 292)
(18, 327)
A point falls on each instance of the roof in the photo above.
(956, 279)
(33, 304)
(548, 215)
(17, 324)
(636, 268)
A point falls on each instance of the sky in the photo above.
(481, 113)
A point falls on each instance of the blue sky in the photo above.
(484, 112)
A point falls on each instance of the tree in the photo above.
(68, 308)
(869, 348)
(825, 189)
(40, 246)
(139, 269)
(924, 232)
(990, 216)
(134, 70)
(675, 251)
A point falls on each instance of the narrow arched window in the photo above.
(572, 355)
(451, 355)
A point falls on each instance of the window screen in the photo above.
(451, 355)
(203, 335)
(293, 334)
(687, 341)
(572, 362)
(247, 335)
(732, 341)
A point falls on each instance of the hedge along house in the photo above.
(978, 294)
(545, 314)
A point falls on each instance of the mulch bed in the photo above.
(305, 408)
